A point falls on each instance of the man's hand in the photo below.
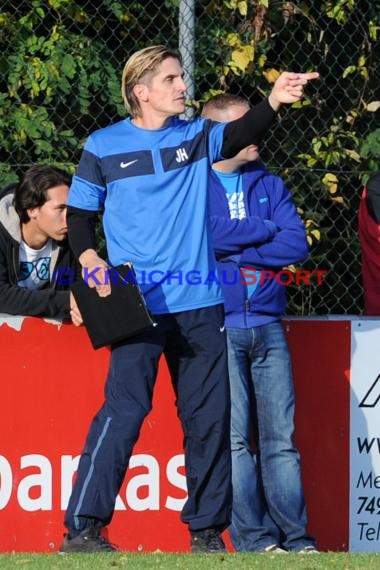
(75, 315)
(94, 272)
(289, 88)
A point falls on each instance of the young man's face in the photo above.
(165, 90)
(49, 220)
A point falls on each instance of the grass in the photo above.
(160, 561)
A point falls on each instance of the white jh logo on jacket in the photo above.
(181, 155)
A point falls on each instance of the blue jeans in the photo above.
(268, 500)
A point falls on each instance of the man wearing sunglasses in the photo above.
(35, 260)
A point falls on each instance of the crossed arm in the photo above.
(286, 244)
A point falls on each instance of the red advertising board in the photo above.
(52, 385)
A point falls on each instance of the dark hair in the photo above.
(31, 191)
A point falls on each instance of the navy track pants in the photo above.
(194, 345)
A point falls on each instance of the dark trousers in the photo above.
(194, 345)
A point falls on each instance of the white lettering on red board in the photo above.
(34, 491)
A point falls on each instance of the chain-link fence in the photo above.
(61, 64)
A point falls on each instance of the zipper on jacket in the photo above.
(246, 311)
(16, 263)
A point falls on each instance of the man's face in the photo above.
(165, 90)
(50, 219)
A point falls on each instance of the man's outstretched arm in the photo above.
(252, 127)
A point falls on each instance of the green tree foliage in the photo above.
(60, 65)
(326, 146)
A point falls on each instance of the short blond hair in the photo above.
(220, 103)
(140, 67)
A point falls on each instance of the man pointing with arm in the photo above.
(147, 174)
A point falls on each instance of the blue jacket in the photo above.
(271, 237)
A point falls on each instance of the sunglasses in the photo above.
(42, 267)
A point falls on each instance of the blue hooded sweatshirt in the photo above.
(269, 238)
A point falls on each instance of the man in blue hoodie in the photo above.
(256, 230)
